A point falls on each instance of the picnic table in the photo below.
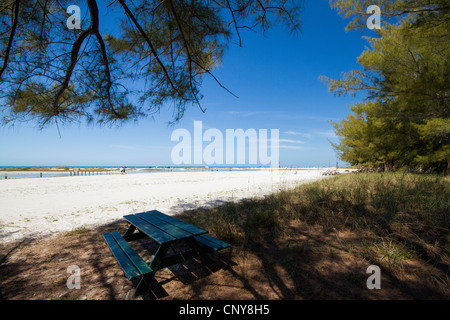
(167, 232)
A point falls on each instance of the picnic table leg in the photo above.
(130, 234)
(199, 251)
(159, 256)
(143, 285)
(130, 230)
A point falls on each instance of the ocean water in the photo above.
(34, 175)
(116, 170)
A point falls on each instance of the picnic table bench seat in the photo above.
(131, 263)
(133, 266)
(211, 243)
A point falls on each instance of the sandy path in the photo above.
(46, 205)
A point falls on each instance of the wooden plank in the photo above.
(194, 230)
(207, 243)
(153, 232)
(168, 227)
(214, 243)
(137, 261)
(128, 268)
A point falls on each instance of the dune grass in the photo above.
(398, 215)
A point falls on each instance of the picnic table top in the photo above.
(163, 228)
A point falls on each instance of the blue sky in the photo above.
(276, 79)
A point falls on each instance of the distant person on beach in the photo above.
(122, 170)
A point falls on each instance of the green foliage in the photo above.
(157, 56)
(392, 10)
(405, 74)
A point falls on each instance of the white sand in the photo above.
(37, 206)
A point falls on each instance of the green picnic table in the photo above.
(166, 231)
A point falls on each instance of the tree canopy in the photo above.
(163, 48)
(404, 121)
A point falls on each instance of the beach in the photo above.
(32, 207)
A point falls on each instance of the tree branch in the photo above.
(11, 37)
(235, 23)
(150, 44)
(93, 10)
(188, 53)
(416, 11)
(218, 82)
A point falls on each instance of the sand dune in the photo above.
(37, 206)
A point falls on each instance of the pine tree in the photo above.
(405, 75)
(158, 55)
